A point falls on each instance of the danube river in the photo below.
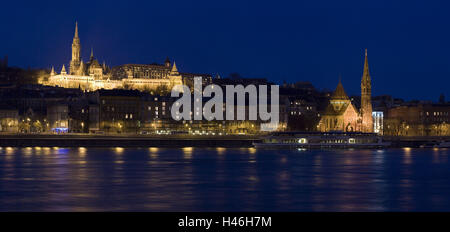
(223, 179)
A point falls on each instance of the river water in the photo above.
(223, 179)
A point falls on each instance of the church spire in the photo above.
(366, 98)
(366, 75)
(76, 30)
(76, 52)
(92, 53)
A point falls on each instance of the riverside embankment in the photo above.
(125, 141)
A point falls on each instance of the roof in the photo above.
(339, 93)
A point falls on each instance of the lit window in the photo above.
(302, 140)
(351, 140)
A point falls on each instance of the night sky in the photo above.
(408, 42)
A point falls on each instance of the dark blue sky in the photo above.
(408, 42)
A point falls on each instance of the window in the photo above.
(303, 141)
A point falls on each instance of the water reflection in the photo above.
(10, 150)
(118, 150)
(220, 150)
(47, 151)
(223, 179)
(187, 152)
(252, 150)
(82, 151)
(153, 152)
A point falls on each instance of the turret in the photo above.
(174, 71)
(167, 62)
(52, 73)
(63, 70)
(92, 55)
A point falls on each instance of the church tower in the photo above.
(366, 95)
(76, 53)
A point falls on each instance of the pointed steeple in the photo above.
(366, 98)
(339, 93)
(52, 73)
(92, 53)
(366, 75)
(76, 30)
(174, 70)
(76, 51)
(63, 70)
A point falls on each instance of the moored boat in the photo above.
(443, 144)
(321, 140)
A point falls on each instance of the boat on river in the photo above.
(321, 140)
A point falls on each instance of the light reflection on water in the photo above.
(223, 179)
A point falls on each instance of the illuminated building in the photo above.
(9, 120)
(418, 120)
(378, 122)
(366, 95)
(58, 118)
(91, 75)
(119, 110)
(342, 115)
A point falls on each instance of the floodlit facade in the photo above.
(91, 75)
(9, 120)
(378, 117)
(342, 115)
